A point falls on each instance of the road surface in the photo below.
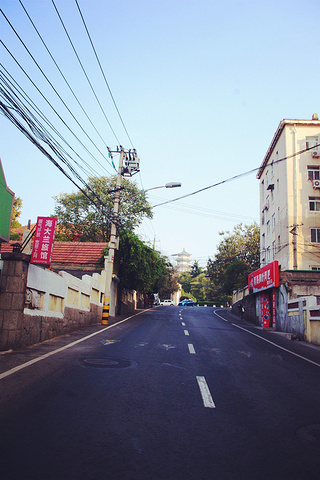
(172, 393)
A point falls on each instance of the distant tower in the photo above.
(183, 261)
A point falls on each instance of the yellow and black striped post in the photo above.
(105, 312)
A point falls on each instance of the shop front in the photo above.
(264, 282)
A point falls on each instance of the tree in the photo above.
(80, 219)
(195, 269)
(238, 254)
(141, 268)
(236, 276)
(16, 212)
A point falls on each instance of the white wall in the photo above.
(45, 287)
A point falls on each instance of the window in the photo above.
(273, 221)
(273, 249)
(262, 218)
(315, 267)
(268, 227)
(315, 235)
(311, 142)
(313, 173)
(279, 244)
(272, 168)
(314, 204)
(268, 255)
(263, 242)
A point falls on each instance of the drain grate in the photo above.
(108, 363)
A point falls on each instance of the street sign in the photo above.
(43, 240)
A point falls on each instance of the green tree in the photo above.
(141, 268)
(79, 219)
(195, 269)
(16, 212)
(237, 254)
(236, 276)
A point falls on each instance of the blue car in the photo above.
(187, 303)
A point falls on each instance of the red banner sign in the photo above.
(264, 278)
(43, 240)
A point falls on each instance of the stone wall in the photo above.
(12, 298)
(36, 305)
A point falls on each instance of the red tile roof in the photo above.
(79, 253)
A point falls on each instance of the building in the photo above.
(284, 294)
(183, 261)
(290, 196)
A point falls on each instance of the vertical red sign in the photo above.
(43, 240)
(265, 310)
(274, 308)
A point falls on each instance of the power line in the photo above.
(61, 73)
(52, 86)
(47, 101)
(235, 177)
(30, 137)
(103, 74)
(16, 90)
(84, 71)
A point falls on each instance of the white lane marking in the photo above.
(205, 393)
(43, 357)
(186, 332)
(191, 348)
(272, 343)
(183, 324)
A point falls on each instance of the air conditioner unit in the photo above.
(315, 153)
(316, 183)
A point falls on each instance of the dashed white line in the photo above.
(191, 348)
(183, 324)
(186, 332)
(205, 393)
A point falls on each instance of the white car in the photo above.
(166, 302)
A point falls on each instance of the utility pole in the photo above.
(293, 232)
(132, 166)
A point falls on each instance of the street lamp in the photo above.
(167, 185)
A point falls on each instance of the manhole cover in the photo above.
(107, 363)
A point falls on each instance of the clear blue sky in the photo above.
(201, 86)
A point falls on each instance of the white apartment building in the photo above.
(290, 197)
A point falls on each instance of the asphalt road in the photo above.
(173, 393)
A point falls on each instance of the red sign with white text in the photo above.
(264, 278)
(43, 240)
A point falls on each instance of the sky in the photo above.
(197, 87)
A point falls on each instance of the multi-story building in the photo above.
(290, 196)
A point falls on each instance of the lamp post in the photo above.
(113, 244)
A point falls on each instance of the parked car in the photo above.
(166, 302)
